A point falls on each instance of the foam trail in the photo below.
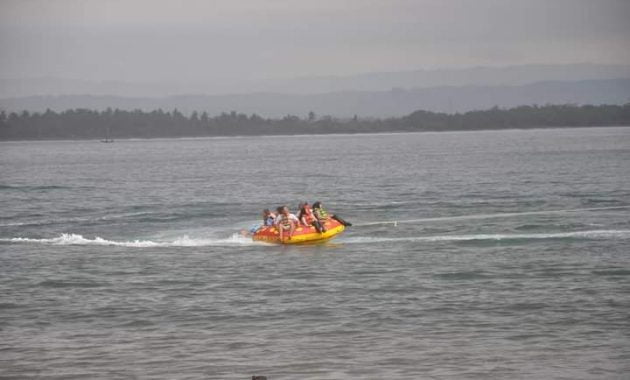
(239, 240)
(593, 234)
(487, 216)
(183, 241)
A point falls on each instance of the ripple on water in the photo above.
(473, 255)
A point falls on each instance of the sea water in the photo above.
(497, 254)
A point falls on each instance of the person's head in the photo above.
(284, 210)
(301, 205)
(317, 204)
(279, 209)
(266, 212)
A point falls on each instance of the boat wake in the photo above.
(490, 216)
(239, 240)
(592, 235)
(183, 241)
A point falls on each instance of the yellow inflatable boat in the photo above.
(301, 235)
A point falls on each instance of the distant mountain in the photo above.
(386, 81)
(480, 76)
(395, 102)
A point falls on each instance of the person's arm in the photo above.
(304, 219)
(295, 222)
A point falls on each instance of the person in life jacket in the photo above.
(307, 218)
(286, 222)
(268, 217)
(322, 215)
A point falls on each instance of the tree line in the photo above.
(118, 124)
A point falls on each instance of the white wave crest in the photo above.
(183, 241)
(594, 234)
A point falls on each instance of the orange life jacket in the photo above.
(307, 214)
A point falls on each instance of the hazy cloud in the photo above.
(226, 41)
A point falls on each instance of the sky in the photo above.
(227, 40)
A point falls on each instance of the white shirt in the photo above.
(291, 217)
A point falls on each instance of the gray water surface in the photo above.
(472, 255)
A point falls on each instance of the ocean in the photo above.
(476, 255)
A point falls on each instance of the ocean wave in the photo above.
(14, 224)
(136, 217)
(594, 234)
(183, 241)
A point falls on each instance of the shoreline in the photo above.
(243, 136)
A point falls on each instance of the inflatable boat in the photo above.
(301, 235)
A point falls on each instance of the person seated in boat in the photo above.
(307, 217)
(286, 222)
(251, 230)
(322, 215)
(302, 211)
(299, 213)
(268, 218)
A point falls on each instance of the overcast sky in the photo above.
(194, 40)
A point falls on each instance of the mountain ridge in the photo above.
(390, 103)
(371, 81)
